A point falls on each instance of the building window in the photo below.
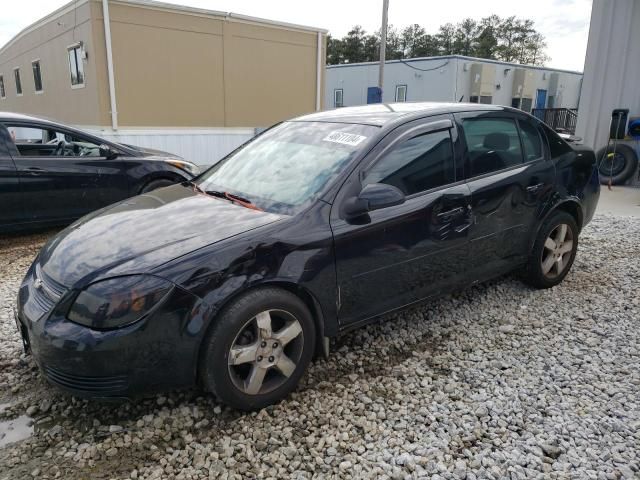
(76, 67)
(16, 75)
(3, 94)
(473, 99)
(515, 102)
(551, 101)
(37, 75)
(526, 104)
(338, 96)
(486, 99)
(401, 93)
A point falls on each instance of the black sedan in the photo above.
(235, 280)
(52, 174)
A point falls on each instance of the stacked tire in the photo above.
(617, 163)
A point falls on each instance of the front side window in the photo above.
(3, 94)
(531, 141)
(338, 97)
(289, 165)
(16, 75)
(37, 141)
(492, 144)
(401, 93)
(37, 75)
(76, 67)
(416, 165)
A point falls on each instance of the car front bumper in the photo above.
(157, 353)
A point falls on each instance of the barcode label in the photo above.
(344, 138)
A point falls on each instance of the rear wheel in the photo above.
(155, 184)
(258, 349)
(553, 251)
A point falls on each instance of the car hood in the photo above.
(152, 152)
(143, 232)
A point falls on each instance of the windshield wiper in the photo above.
(232, 197)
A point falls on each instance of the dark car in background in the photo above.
(52, 174)
(318, 225)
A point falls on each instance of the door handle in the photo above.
(34, 170)
(535, 188)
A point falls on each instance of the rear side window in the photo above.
(557, 146)
(416, 165)
(492, 143)
(531, 141)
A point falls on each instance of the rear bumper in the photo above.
(591, 197)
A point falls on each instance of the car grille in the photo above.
(107, 386)
(45, 292)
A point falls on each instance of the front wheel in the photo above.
(258, 349)
(553, 252)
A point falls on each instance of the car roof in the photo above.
(20, 117)
(380, 114)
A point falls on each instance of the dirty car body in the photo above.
(52, 174)
(348, 258)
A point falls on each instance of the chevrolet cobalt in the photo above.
(234, 280)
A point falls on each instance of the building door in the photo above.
(541, 99)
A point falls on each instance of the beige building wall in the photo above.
(172, 68)
(49, 43)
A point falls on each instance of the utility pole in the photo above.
(383, 43)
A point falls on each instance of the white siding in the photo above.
(447, 79)
(200, 146)
(612, 68)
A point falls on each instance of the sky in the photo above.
(564, 23)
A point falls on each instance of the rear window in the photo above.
(557, 146)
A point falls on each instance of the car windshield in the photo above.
(289, 165)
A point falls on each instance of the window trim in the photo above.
(17, 80)
(69, 49)
(335, 92)
(3, 90)
(405, 92)
(36, 91)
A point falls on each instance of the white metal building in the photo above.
(454, 78)
(612, 69)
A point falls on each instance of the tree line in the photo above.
(508, 39)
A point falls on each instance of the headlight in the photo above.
(118, 301)
(186, 166)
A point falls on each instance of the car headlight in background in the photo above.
(186, 166)
(118, 301)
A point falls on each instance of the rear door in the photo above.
(10, 195)
(63, 175)
(511, 178)
(399, 255)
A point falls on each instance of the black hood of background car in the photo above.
(143, 232)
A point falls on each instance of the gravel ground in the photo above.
(500, 381)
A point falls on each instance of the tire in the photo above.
(155, 184)
(260, 357)
(543, 269)
(619, 167)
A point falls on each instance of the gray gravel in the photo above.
(500, 381)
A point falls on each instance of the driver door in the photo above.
(63, 176)
(402, 254)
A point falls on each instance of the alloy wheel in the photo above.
(266, 351)
(556, 253)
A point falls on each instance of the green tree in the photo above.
(465, 37)
(509, 39)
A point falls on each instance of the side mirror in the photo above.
(107, 152)
(373, 197)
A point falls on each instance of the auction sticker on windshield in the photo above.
(344, 138)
